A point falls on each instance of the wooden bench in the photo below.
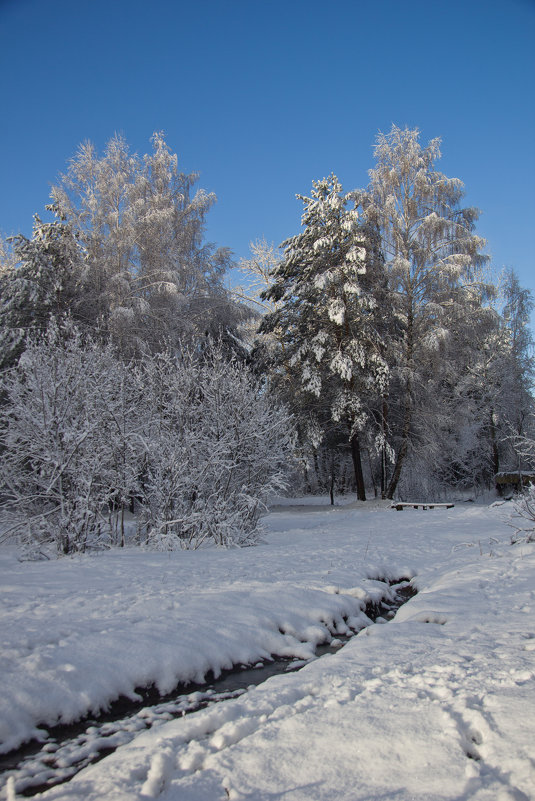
(401, 506)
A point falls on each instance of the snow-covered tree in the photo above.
(524, 503)
(326, 319)
(525, 445)
(525, 509)
(44, 277)
(432, 255)
(494, 375)
(453, 442)
(257, 272)
(516, 313)
(150, 278)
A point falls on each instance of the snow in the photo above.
(437, 704)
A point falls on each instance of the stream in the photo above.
(65, 749)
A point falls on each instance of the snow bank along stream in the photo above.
(436, 705)
(63, 750)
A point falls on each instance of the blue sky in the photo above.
(263, 97)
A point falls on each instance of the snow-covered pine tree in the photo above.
(325, 319)
(43, 278)
(431, 250)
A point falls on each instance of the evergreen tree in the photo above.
(45, 278)
(326, 319)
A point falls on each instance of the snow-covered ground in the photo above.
(438, 704)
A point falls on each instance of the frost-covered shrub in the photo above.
(65, 435)
(217, 448)
(194, 439)
(525, 509)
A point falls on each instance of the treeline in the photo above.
(386, 335)
(125, 384)
(131, 377)
(124, 257)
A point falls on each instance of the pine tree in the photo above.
(326, 319)
(45, 278)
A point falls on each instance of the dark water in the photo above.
(65, 749)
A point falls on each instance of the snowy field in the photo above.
(437, 704)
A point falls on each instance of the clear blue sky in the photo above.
(263, 97)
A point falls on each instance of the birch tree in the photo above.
(151, 278)
(432, 254)
(516, 313)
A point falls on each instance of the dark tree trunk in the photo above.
(317, 470)
(397, 468)
(403, 448)
(331, 489)
(493, 439)
(357, 465)
(407, 418)
(495, 452)
(384, 413)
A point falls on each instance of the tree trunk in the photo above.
(397, 467)
(331, 489)
(407, 419)
(371, 472)
(495, 452)
(384, 413)
(404, 447)
(357, 464)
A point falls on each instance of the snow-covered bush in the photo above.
(525, 508)
(67, 450)
(217, 448)
(194, 438)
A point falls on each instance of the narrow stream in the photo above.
(67, 748)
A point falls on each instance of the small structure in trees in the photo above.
(513, 481)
